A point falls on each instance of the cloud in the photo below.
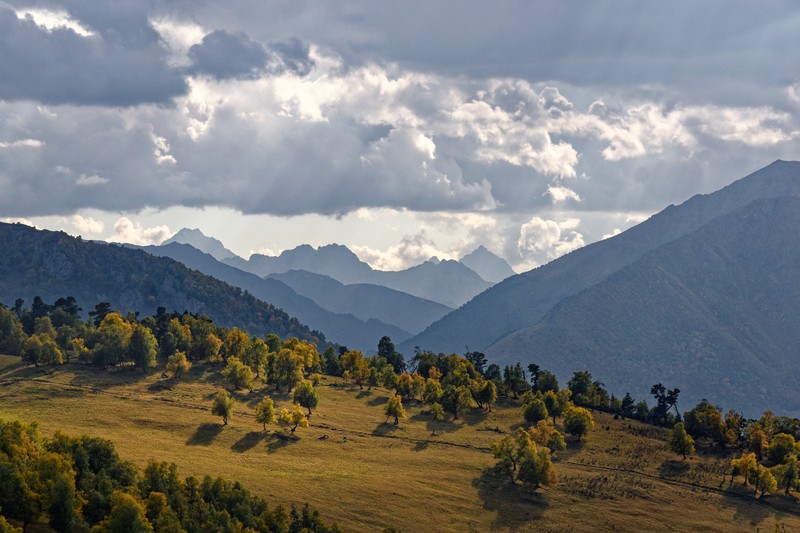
(561, 194)
(94, 179)
(410, 251)
(22, 143)
(227, 55)
(542, 240)
(87, 225)
(57, 57)
(132, 232)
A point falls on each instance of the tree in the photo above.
(394, 407)
(306, 395)
(127, 516)
(356, 366)
(143, 347)
(238, 374)
(288, 369)
(523, 460)
(265, 412)
(787, 474)
(514, 380)
(545, 434)
(534, 411)
(113, 338)
(485, 393)
(781, 447)
(478, 360)
(546, 381)
(757, 441)
(680, 442)
(294, 419)
(578, 421)
(555, 403)
(665, 400)
(743, 465)
(456, 399)
(223, 406)
(705, 420)
(432, 392)
(763, 480)
(437, 414)
(210, 347)
(387, 351)
(177, 364)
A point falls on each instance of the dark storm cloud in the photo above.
(121, 64)
(228, 55)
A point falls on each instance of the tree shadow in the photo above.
(248, 442)
(514, 506)
(276, 441)
(204, 434)
(673, 469)
(363, 394)
(386, 428)
(474, 416)
(377, 400)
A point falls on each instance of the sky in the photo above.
(403, 130)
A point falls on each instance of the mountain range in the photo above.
(450, 283)
(578, 310)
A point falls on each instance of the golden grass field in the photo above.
(368, 475)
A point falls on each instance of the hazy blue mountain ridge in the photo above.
(713, 313)
(524, 299)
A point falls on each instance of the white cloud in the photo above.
(541, 240)
(132, 232)
(87, 225)
(561, 194)
(410, 251)
(54, 19)
(22, 143)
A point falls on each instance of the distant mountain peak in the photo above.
(202, 242)
(487, 265)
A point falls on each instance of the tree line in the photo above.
(79, 484)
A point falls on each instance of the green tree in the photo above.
(158, 512)
(127, 516)
(437, 414)
(456, 399)
(781, 447)
(238, 374)
(143, 347)
(210, 348)
(534, 411)
(265, 412)
(306, 395)
(288, 369)
(680, 442)
(394, 407)
(787, 474)
(223, 406)
(578, 421)
(432, 393)
(757, 440)
(177, 364)
(113, 339)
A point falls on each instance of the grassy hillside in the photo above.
(368, 475)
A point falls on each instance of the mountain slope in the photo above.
(345, 329)
(714, 312)
(447, 282)
(524, 299)
(365, 301)
(53, 264)
(196, 238)
(487, 265)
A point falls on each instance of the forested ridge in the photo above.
(53, 264)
